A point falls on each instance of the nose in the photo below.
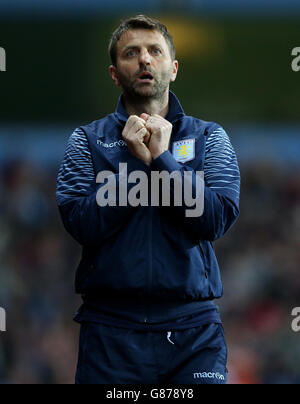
(145, 57)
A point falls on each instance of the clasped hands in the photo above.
(147, 136)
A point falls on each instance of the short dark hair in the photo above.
(139, 21)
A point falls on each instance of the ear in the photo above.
(114, 75)
(175, 70)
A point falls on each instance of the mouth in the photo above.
(145, 77)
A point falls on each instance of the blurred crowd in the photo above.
(259, 259)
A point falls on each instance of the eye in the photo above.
(131, 53)
(156, 51)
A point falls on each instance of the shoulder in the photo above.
(99, 124)
(77, 141)
(216, 137)
(205, 128)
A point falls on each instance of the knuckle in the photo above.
(129, 141)
(131, 119)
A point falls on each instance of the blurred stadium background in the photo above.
(235, 69)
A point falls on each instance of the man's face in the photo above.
(144, 65)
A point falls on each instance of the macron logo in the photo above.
(209, 375)
(112, 144)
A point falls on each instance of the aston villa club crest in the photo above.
(184, 150)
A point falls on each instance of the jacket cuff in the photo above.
(166, 162)
(135, 164)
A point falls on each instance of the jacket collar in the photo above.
(175, 109)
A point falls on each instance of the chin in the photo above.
(145, 92)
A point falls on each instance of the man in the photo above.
(148, 274)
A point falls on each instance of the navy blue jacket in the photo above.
(151, 262)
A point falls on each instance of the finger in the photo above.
(158, 122)
(152, 123)
(137, 125)
(155, 119)
(159, 117)
(145, 116)
(132, 121)
(147, 138)
(143, 134)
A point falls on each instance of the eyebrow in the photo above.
(155, 45)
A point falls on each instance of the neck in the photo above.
(147, 105)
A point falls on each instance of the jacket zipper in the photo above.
(150, 268)
(203, 259)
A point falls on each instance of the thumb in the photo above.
(145, 116)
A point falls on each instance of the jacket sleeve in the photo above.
(76, 192)
(219, 191)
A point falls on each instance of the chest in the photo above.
(108, 149)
